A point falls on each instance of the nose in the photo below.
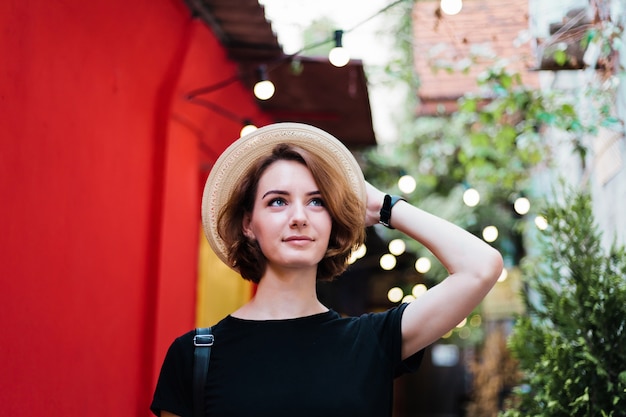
(298, 215)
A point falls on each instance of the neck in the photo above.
(283, 296)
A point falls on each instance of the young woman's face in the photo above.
(289, 219)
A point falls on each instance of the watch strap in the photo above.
(385, 211)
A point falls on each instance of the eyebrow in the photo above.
(281, 192)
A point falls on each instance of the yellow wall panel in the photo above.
(220, 289)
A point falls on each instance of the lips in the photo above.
(298, 239)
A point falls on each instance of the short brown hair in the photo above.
(346, 210)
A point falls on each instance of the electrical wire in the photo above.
(226, 82)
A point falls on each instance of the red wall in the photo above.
(100, 179)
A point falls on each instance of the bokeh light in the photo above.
(422, 265)
(387, 262)
(395, 294)
(490, 233)
(407, 184)
(521, 206)
(471, 197)
(541, 222)
(397, 247)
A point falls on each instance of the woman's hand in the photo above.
(375, 199)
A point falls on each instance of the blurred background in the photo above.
(112, 114)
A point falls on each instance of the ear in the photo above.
(247, 229)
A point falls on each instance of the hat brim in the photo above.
(237, 159)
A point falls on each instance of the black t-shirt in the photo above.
(320, 365)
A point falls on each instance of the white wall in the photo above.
(605, 166)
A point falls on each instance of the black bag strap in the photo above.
(202, 341)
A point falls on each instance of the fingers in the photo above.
(375, 199)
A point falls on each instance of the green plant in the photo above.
(605, 39)
(508, 124)
(570, 345)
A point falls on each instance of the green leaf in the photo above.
(560, 57)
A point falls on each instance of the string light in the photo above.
(465, 333)
(521, 206)
(408, 298)
(407, 184)
(422, 265)
(357, 254)
(395, 294)
(247, 128)
(490, 233)
(387, 262)
(503, 275)
(476, 320)
(339, 56)
(541, 223)
(471, 197)
(264, 89)
(451, 7)
(419, 290)
(397, 247)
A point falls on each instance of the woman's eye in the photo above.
(317, 202)
(276, 202)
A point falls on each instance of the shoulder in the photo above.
(385, 319)
(185, 338)
(182, 347)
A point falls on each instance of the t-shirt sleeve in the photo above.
(173, 392)
(388, 327)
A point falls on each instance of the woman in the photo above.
(285, 206)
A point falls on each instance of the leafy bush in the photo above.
(572, 343)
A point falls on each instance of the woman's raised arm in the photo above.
(473, 267)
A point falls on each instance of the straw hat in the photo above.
(236, 160)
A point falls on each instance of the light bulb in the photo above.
(357, 254)
(248, 128)
(339, 56)
(264, 90)
(451, 7)
(471, 197)
(409, 298)
(352, 258)
(395, 294)
(541, 222)
(397, 247)
(490, 233)
(387, 262)
(419, 290)
(503, 275)
(521, 206)
(476, 320)
(361, 251)
(407, 184)
(422, 265)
